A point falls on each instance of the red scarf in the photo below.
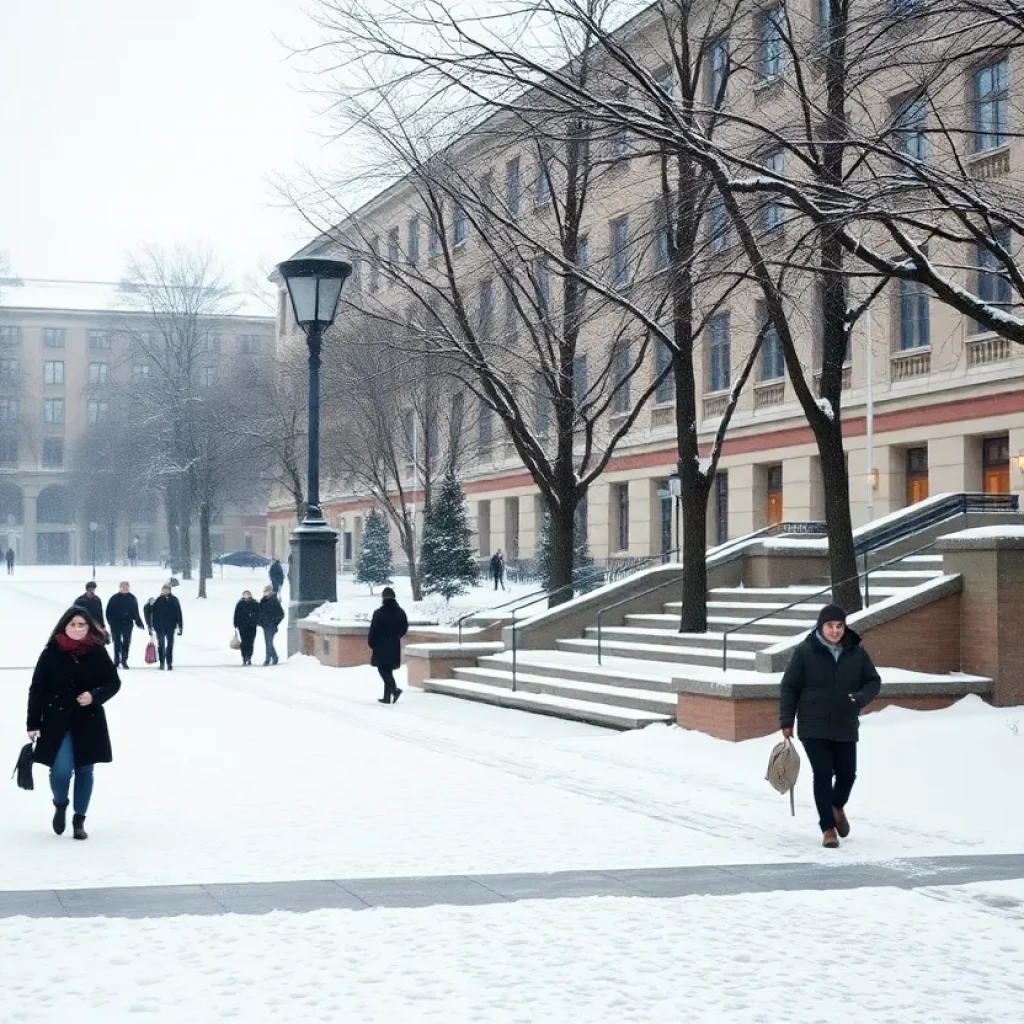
(76, 648)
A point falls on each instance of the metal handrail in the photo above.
(804, 598)
(626, 600)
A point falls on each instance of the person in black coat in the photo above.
(387, 627)
(122, 617)
(276, 574)
(164, 618)
(829, 681)
(271, 616)
(92, 604)
(247, 618)
(73, 679)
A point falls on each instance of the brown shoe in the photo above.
(830, 840)
(842, 822)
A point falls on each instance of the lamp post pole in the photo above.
(314, 514)
(93, 527)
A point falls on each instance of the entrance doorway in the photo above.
(917, 475)
(665, 505)
(995, 464)
(721, 508)
(774, 482)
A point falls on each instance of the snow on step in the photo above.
(704, 639)
(653, 651)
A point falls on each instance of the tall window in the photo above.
(719, 355)
(991, 101)
(542, 272)
(53, 451)
(773, 212)
(511, 314)
(620, 140)
(461, 226)
(486, 307)
(914, 323)
(207, 377)
(620, 377)
(53, 337)
(911, 122)
(140, 372)
(53, 411)
(513, 188)
(487, 196)
(249, 344)
(374, 264)
(53, 371)
(993, 282)
(579, 379)
(773, 363)
(99, 341)
(8, 369)
(542, 194)
(9, 409)
(97, 373)
(210, 344)
(485, 424)
(662, 234)
(824, 19)
(414, 240)
(666, 390)
(719, 226)
(394, 248)
(583, 252)
(772, 42)
(9, 450)
(543, 405)
(665, 81)
(621, 506)
(718, 70)
(620, 251)
(96, 411)
(433, 239)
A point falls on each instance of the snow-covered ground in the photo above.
(870, 957)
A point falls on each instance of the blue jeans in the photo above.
(268, 640)
(60, 777)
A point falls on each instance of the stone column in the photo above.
(640, 509)
(528, 526)
(28, 535)
(497, 537)
(600, 520)
(954, 464)
(741, 499)
(802, 490)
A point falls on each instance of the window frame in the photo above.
(53, 372)
(98, 372)
(51, 407)
(621, 377)
(620, 276)
(771, 59)
(56, 443)
(996, 98)
(719, 333)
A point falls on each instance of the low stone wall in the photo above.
(436, 661)
(343, 644)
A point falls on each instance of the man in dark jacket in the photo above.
(276, 573)
(164, 617)
(497, 569)
(122, 615)
(247, 617)
(829, 680)
(271, 616)
(91, 604)
(387, 627)
(10, 561)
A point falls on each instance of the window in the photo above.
(991, 98)
(10, 335)
(99, 341)
(620, 139)
(9, 409)
(53, 337)
(718, 71)
(773, 213)
(211, 344)
(8, 369)
(485, 425)
(542, 272)
(620, 500)
(825, 19)
(207, 377)
(513, 188)
(374, 264)
(772, 36)
(543, 406)
(413, 248)
(249, 344)
(662, 234)
(53, 372)
(719, 355)
(9, 451)
(543, 193)
(993, 282)
(486, 307)
(664, 79)
(911, 120)
(620, 251)
(719, 226)
(461, 229)
(53, 411)
(487, 197)
(666, 390)
(433, 239)
(97, 373)
(394, 248)
(53, 451)
(409, 432)
(140, 372)
(773, 362)
(620, 377)
(579, 379)
(914, 324)
(96, 411)
(583, 252)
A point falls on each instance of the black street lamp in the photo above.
(314, 287)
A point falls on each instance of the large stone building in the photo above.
(946, 400)
(64, 346)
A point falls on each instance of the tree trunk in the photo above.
(408, 538)
(205, 548)
(694, 615)
(561, 536)
(186, 541)
(174, 548)
(841, 554)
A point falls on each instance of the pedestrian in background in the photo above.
(122, 617)
(165, 619)
(91, 603)
(387, 627)
(271, 616)
(829, 681)
(276, 574)
(247, 617)
(497, 569)
(10, 561)
(73, 679)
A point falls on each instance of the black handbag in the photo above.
(23, 769)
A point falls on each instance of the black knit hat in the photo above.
(91, 585)
(831, 613)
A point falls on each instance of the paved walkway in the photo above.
(468, 890)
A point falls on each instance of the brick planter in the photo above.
(343, 644)
(436, 660)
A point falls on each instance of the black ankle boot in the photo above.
(78, 827)
(60, 817)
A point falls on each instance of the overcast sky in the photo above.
(124, 121)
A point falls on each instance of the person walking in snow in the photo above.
(91, 603)
(122, 617)
(497, 569)
(247, 618)
(270, 617)
(164, 618)
(73, 679)
(387, 627)
(276, 573)
(10, 561)
(829, 681)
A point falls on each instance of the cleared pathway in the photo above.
(467, 890)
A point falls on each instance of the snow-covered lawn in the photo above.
(873, 956)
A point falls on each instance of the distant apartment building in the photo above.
(64, 346)
(947, 399)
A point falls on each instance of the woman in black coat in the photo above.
(73, 679)
(387, 627)
(247, 618)
(829, 681)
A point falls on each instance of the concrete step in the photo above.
(896, 577)
(598, 693)
(545, 704)
(745, 611)
(583, 669)
(743, 642)
(774, 628)
(660, 652)
(921, 560)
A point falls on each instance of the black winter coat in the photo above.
(271, 612)
(247, 614)
(276, 574)
(53, 709)
(826, 696)
(123, 610)
(165, 614)
(92, 605)
(387, 627)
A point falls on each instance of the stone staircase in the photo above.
(633, 686)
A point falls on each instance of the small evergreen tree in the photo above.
(585, 574)
(447, 565)
(375, 553)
